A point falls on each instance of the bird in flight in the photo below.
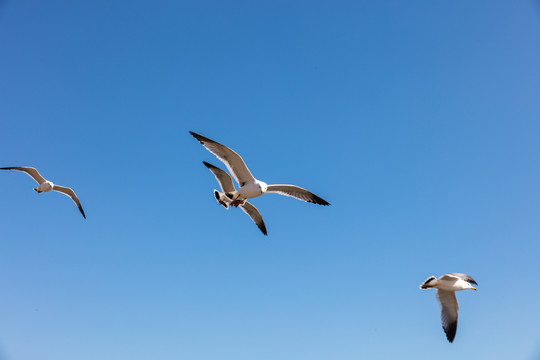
(227, 188)
(45, 185)
(249, 187)
(445, 290)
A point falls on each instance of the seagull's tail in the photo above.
(429, 283)
(222, 199)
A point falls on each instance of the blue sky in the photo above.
(417, 120)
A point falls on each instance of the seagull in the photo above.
(45, 185)
(445, 289)
(227, 189)
(249, 187)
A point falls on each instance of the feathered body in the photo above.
(445, 290)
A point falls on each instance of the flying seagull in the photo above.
(249, 187)
(45, 185)
(227, 189)
(445, 289)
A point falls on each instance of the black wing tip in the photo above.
(260, 225)
(82, 212)
(197, 136)
(204, 139)
(319, 201)
(19, 168)
(208, 165)
(451, 331)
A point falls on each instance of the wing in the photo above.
(34, 174)
(69, 192)
(296, 192)
(449, 277)
(254, 215)
(449, 312)
(232, 160)
(464, 277)
(224, 180)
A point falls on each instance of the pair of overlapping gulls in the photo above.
(445, 290)
(45, 185)
(249, 187)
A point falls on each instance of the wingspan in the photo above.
(254, 215)
(69, 192)
(232, 160)
(32, 172)
(449, 312)
(296, 192)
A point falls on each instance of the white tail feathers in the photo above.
(429, 283)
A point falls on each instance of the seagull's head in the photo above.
(263, 187)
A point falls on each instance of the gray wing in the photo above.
(34, 174)
(449, 312)
(254, 215)
(69, 192)
(296, 192)
(232, 160)
(224, 180)
(461, 276)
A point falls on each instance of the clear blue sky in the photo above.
(418, 120)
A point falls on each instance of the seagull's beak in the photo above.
(473, 288)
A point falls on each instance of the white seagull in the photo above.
(227, 189)
(45, 185)
(249, 187)
(445, 289)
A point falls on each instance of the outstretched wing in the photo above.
(449, 312)
(69, 192)
(224, 180)
(254, 215)
(32, 172)
(296, 192)
(232, 160)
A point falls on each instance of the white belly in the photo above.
(249, 191)
(46, 186)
